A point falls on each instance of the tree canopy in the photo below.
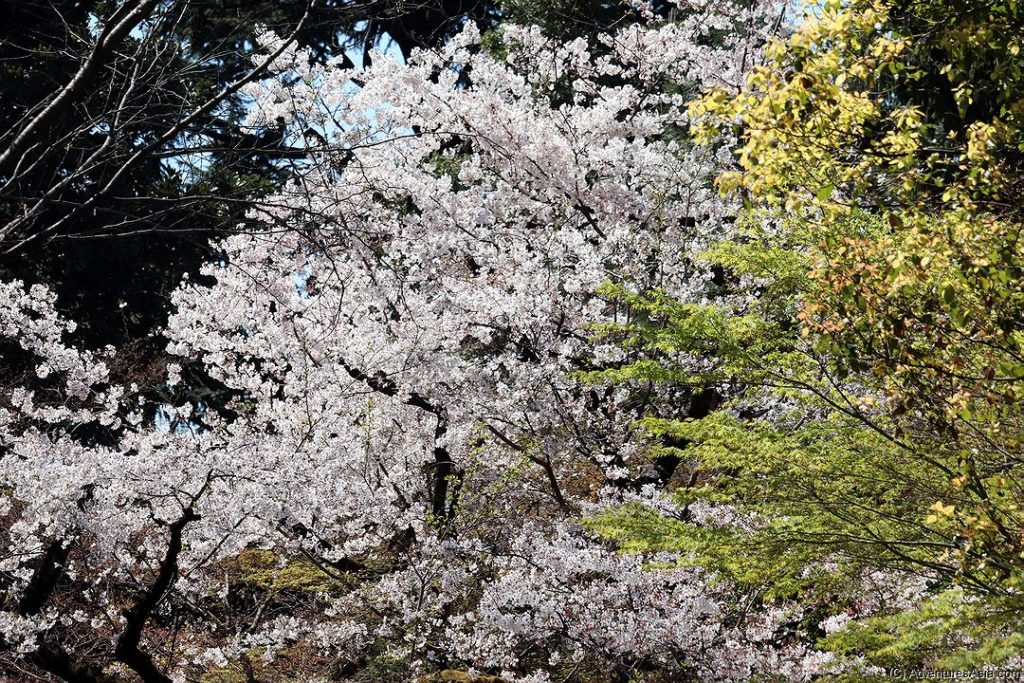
(576, 341)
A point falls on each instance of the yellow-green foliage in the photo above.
(224, 675)
(265, 569)
(882, 103)
(952, 631)
(892, 135)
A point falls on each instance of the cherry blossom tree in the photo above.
(404, 348)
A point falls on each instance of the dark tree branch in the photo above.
(127, 650)
(118, 27)
(443, 467)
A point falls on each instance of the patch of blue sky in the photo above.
(167, 419)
